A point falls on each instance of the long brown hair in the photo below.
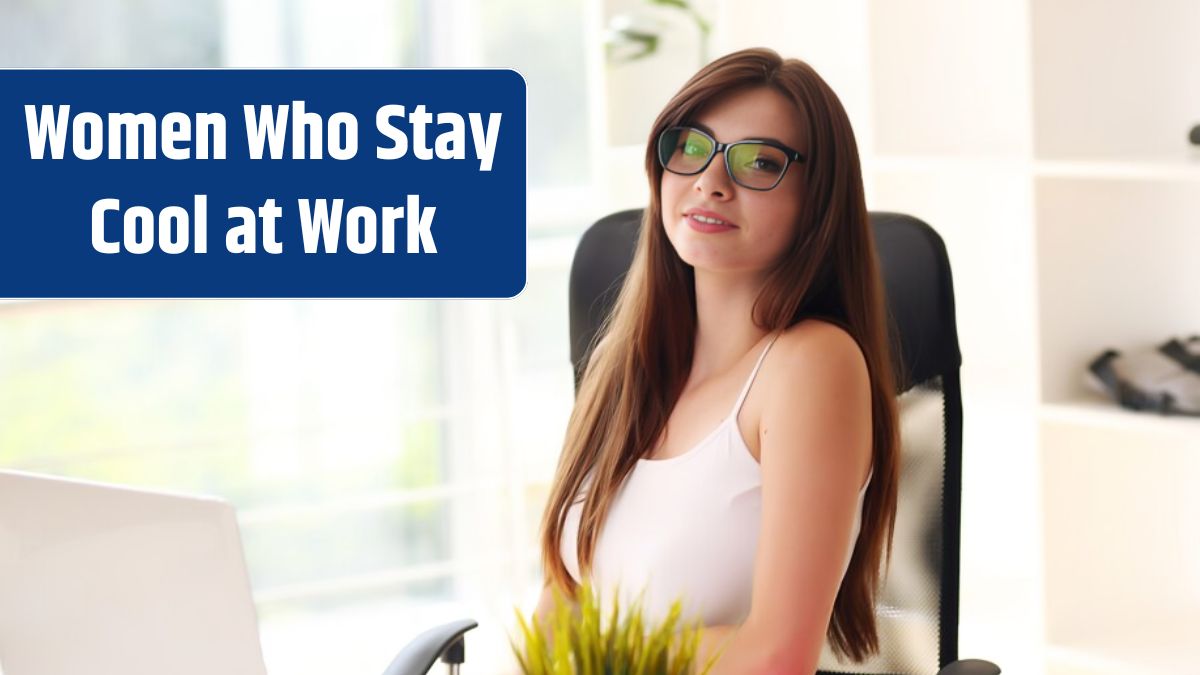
(830, 270)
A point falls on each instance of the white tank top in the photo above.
(686, 527)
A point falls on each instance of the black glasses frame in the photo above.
(792, 156)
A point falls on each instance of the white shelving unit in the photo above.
(1117, 193)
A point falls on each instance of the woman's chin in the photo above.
(700, 250)
(712, 262)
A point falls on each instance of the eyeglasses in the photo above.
(756, 165)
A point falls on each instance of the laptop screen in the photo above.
(108, 580)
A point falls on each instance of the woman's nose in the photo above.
(714, 179)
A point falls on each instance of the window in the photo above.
(389, 459)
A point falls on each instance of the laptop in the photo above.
(108, 580)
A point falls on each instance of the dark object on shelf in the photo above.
(1194, 137)
(1186, 354)
(1165, 379)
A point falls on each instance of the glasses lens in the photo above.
(684, 151)
(755, 165)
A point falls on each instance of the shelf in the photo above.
(1100, 413)
(1182, 169)
(1161, 644)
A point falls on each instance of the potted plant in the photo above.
(579, 641)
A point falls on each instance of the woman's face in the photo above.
(757, 226)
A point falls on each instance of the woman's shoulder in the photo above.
(817, 338)
(819, 387)
(815, 357)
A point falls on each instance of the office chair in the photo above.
(917, 614)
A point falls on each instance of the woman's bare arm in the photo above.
(815, 448)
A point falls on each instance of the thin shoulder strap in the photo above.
(737, 407)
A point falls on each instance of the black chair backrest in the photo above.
(918, 609)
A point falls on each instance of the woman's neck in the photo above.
(725, 330)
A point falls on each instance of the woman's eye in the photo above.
(693, 149)
(762, 164)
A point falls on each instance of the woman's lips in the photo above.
(702, 221)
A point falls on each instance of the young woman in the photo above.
(734, 441)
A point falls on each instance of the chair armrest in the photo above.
(970, 667)
(424, 650)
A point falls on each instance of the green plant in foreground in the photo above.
(580, 642)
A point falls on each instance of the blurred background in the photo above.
(390, 459)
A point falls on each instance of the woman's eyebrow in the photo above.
(708, 131)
